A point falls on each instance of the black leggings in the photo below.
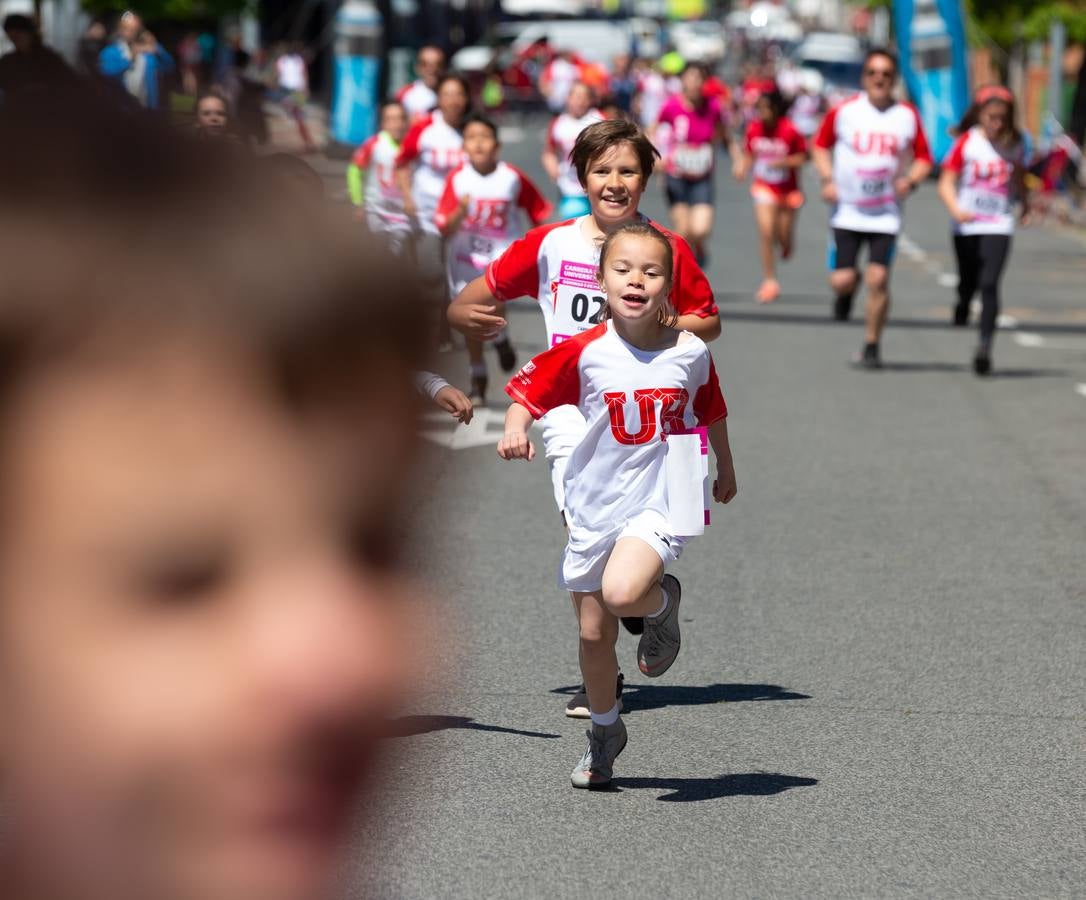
(981, 258)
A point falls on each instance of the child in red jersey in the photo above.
(775, 151)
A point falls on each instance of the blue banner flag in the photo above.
(931, 43)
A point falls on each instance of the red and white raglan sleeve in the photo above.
(409, 149)
(955, 158)
(516, 272)
(534, 204)
(449, 201)
(827, 131)
(921, 150)
(364, 154)
(709, 405)
(551, 379)
(691, 292)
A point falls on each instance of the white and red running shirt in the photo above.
(770, 149)
(382, 199)
(561, 136)
(436, 148)
(871, 148)
(418, 100)
(499, 204)
(986, 177)
(629, 398)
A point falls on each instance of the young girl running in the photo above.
(981, 178)
(556, 264)
(371, 178)
(561, 136)
(483, 207)
(634, 378)
(691, 125)
(776, 151)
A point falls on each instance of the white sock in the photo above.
(662, 609)
(607, 718)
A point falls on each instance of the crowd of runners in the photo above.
(627, 307)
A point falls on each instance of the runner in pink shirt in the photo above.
(689, 128)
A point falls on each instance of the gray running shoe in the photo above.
(577, 708)
(660, 643)
(605, 743)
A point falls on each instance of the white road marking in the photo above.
(911, 249)
(511, 134)
(486, 427)
(947, 279)
(1005, 321)
(1080, 389)
(1029, 339)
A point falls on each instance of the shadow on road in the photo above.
(637, 697)
(409, 726)
(690, 790)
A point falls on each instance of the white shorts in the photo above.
(582, 570)
(563, 428)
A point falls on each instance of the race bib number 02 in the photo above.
(578, 303)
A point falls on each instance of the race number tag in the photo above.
(766, 170)
(578, 302)
(687, 471)
(480, 251)
(692, 160)
(987, 201)
(873, 190)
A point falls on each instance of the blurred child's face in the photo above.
(763, 109)
(994, 118)
(452, 101)
(211, 114)
(394, 121)
(579, 101)
(693, 82)
(614, 184)
(481, 146)
(635, 278)
(201, 623)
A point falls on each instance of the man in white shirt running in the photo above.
(419, 98)
(871, 153)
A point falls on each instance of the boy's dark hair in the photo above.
(385, 104)
(480, 119)
(695, 66)
(147, 234)
(19, 22)
(460, 80)
(885, 54)
(776, 102)
(668, 314)
(600, 137)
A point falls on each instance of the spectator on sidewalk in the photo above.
(31, 65)
(136, 61)
(91, 45)
(292, 74)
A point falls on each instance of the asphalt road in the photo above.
(882, 687)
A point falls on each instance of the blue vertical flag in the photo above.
(931, 43)
(357, 57)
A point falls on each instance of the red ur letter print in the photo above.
(673, 406)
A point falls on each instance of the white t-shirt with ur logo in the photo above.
(985, 182)
(871, 149)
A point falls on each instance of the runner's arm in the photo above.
(823, 162)
(705, 327)
(474, 311)
(356, 180)
(514, 443)
(724, 486)
(403, 183)
(948, 193)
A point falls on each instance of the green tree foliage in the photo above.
(1006, 21)
(180, 10)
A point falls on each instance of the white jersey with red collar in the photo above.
(435, 148)
(985, 182)
(383, 200)
(871, 148)
(502, 205)
(561, 136)
(556, 265)
(629, 399)
(418, 100)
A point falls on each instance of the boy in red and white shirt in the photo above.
(371, 178)
(561, 136)
(871, 153)
(486, 204)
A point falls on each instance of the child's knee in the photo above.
(597, 635)
(620, 592)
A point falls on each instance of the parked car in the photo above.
(700, 40)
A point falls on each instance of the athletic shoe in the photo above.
(842, 307)
(982, 362)
(477, 394)
(634, 624)
(577, 708)
(507, 356)
(868, 358)
(605, 743)
(660, 643)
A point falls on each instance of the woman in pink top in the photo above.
(687, 131)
